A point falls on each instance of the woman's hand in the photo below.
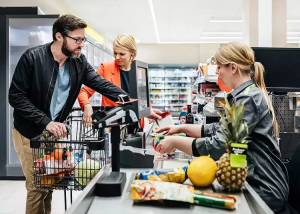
(154, 116)
(87, 116)
(170, 130)
(167, 145)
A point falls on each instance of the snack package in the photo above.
(177, 175)
(142, 190)
(216, 200)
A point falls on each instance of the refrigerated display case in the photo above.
(170, 88)
(96, 54)
(18, 33)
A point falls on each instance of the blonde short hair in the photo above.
(126, 42)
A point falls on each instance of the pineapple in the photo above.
(235, 130)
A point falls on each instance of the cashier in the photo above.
(267, 175)
(116, 72)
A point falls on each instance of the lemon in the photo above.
(202, 171)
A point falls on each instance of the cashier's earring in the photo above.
(131, 59)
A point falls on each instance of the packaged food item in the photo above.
(166, 119)
(216, 200)
(142, 190)
(177, 175)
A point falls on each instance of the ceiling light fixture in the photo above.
(293, 32)
(293, 20)
(225, 33)
(238, 37)
(154, 20)
(137, 41)
(222, 21)
(194, 42)
(294, 42)
(293, 37)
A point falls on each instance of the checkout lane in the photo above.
(88, 202)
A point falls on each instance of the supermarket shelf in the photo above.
(158, 104)
(169, 93)
(172, 88)
(169, 99)
(170, 81)
(171, 76)
(167, 105)
(177, 81)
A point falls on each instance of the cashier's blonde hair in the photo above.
(126, 42)
(243, 56)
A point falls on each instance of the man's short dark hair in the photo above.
(67, 23)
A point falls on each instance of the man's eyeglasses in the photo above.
(78, 41)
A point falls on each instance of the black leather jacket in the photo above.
(266, 173)
(33, 82)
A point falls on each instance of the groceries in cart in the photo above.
(62, 163)
(60, 160)
(86, 170)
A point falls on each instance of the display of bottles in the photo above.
(182, 115)
(189, 117)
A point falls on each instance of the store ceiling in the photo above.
(177, 21)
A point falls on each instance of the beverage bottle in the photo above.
(189, 116)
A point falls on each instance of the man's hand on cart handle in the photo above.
(87, 116)
(57, 129)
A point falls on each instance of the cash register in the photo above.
(127, 114)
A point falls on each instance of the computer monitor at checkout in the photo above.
(139, 87)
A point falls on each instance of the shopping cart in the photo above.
(69, 163)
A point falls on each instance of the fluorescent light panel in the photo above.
(137, 41)
(207, 37)
(154, 19)
(194, 42)
(222, 21)
(224, 33)
(292, 37)
(292, 20)
(293, 33)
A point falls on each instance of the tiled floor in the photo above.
(13, 198)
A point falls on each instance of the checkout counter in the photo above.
(88, 202)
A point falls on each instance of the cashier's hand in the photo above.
(169, 130)
(154, 116)
(87, 116)
(166, 145)
(57, 129)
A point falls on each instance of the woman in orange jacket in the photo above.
(117, 73)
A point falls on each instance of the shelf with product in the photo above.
(96, 54)
(170, 86)
(203, 90)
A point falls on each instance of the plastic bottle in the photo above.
(182, 115)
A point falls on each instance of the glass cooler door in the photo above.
(24, 32)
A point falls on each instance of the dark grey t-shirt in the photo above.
(266, 173)
(124, 80)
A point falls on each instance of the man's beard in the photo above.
(65, 50)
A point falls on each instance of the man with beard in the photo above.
(44, 87)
